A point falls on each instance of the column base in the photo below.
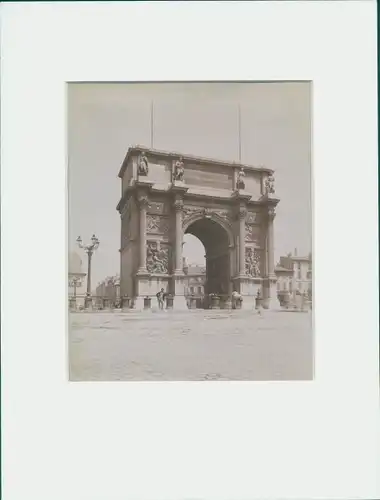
(179, 303)
(248, 303)
(139, 304)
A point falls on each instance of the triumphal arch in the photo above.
(230, 207)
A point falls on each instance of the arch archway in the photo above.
(216, 240)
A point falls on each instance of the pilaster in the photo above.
(178, 208)
(270, 280)
(242, 217)
(142, 202)
(178, 189)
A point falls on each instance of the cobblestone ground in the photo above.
(194, 345)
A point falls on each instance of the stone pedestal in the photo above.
(180, 303)
(142, 284)
(270, 300)
(248, 303)
(138, 304)
(248, 288)
(88, 303)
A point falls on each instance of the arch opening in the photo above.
(215, 240)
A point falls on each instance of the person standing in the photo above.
(258, 305)
(160, 298)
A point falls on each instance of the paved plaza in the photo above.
(194, 345)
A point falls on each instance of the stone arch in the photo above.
(214, 218)
(217, 239)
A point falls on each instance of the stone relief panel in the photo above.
(190, 211)
(157, 257)
(253, 218)
(252, 262)
(252, 233)
(157, 224)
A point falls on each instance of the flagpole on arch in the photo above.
(239, 131)
(151, 124)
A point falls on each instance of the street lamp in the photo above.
(89, 249)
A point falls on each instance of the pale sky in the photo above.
(192, 118)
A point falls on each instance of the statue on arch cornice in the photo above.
(179, 170)
(240, 184)
(269, 184)
(142, 164)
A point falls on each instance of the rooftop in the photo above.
(193, 269)
(282, 269)
(188, 157)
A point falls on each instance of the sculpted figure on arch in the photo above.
(240, 184)
(179, 170)
(269, 184)
(143, 167)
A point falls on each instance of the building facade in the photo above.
(195, 282)
(228, 206)
(107, 293)
(294, 274)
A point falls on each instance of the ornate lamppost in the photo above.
(89, 249)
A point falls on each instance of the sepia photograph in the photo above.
(187, 189)
(190, 231)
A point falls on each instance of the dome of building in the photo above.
(75, 263)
